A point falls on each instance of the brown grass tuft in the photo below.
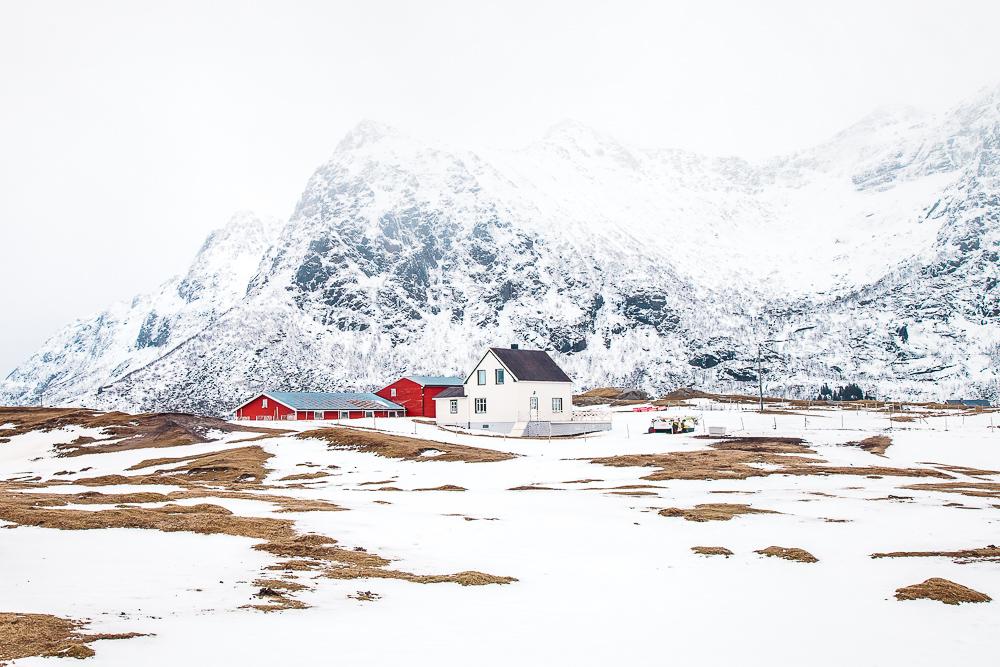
(280, 584)
(533, 487)
(303, 475)
(987, 553)
(444, 487)
(365, 596)
(876, 444)
(401, 446)
(788, 553)
(712, 551)
(713, 511)
(467, 578)
(971, 489)
(43, 635)
(941, 590)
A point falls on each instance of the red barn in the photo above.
(416, 392)
(276, 405)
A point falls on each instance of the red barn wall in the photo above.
(409, 394)
(255, 410)
(430, 409)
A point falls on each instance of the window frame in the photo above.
(392, 392)
(481, 401)
(319, 414)
(344, 414)
(555, 400)
(533, 403)
(370, 413)
(263, 402)
(453, 406)
(498, 376)
(481, 377)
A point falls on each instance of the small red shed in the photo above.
(416, 392)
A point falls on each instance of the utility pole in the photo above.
(760, 374)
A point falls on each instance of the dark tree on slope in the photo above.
(849, 392)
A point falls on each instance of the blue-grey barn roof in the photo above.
(321, 400)
(436, 380)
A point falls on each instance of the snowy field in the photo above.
(602, 577)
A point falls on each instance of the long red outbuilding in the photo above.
(277, 405)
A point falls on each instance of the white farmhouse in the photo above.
(516, 392)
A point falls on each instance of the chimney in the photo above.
(513, 346)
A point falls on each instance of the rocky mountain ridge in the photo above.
(871, 258)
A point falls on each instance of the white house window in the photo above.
(263, 403)
(453, 406)
(319, 415)
(556, 405)
(481, 377)
(480, 406)
(369, 413)
(533, 403)
(499, 378)
(392, 392)
(344, 414)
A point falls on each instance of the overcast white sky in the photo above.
(129, 130)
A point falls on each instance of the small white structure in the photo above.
(515, 392)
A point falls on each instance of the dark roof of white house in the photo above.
(435, 380)
(530, 365)
(321, 400)
(451, 392)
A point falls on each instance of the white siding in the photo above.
(510, 401)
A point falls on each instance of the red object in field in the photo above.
(645, 408)
(416, 392)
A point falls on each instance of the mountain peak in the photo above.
(365, 133)
(574, 131)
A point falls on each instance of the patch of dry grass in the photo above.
(971, 489)
(121, 431)
(876, 444)
(303, 475)
(443, 487)
(365, 596)
(941, 590)
(742, 458)
(713, 511)
(280, 584)
(43, 635)
(401, 446)
(987, 553)
(240, 465)
(712, 551)
(467, 578)
(978, 473)
(788, 553)
(533, 487)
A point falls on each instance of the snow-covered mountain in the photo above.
(128, 335)
(871, 258)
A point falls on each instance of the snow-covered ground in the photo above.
(602, 578)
